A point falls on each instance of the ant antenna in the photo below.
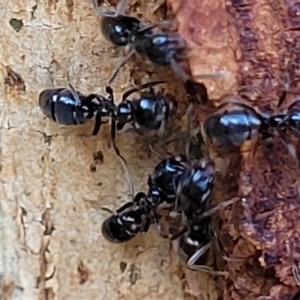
(122, 63)
(221, 250)
(166, 23)
(142, 87)
(107, 210)
(151, 146)
(124, 164)
(119, 10)
(73, 91)
(211, 211)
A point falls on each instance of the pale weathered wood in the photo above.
(51, 246)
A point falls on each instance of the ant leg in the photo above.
(109, 90)
(179, 70)
(113, 138)
(294, 266)
(221, 250)
(159, 24)
(177, 192)
(120, 209)
(137, 130)
(291, 148)
(206, 269)
(211, 211)
(98, 123)
(121, 7)
(156, 220)
(138, 197)
(141, 87)
(294, 270)
(127, 175)
(73, 91)
(151, 146)
(281, 99)
(179, 233)
(123, 62)
(286, 83)
(161, 130)
(96, 7)
(119, 10)
(202, 268)
(182, 136)
(107, 210)
(198, 253)
(296, 133)
(189, 113)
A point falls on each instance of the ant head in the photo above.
(124, 112)
(154, 196)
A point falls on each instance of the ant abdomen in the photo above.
(60, 105)
(234, 124)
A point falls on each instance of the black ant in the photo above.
(117, 27)
(133, 217)
(165, 175)
(69, 107)
(129, 220)
(193, 184)
(162, 49)
(236, 122)
(149, 112)
(136, 216)
(198, 236)
(169, 177)
(193, 190)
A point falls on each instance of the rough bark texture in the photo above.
(257, 43)
(54, 180)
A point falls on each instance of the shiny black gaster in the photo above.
(60, 106)
(67, 106)
(235, 123)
